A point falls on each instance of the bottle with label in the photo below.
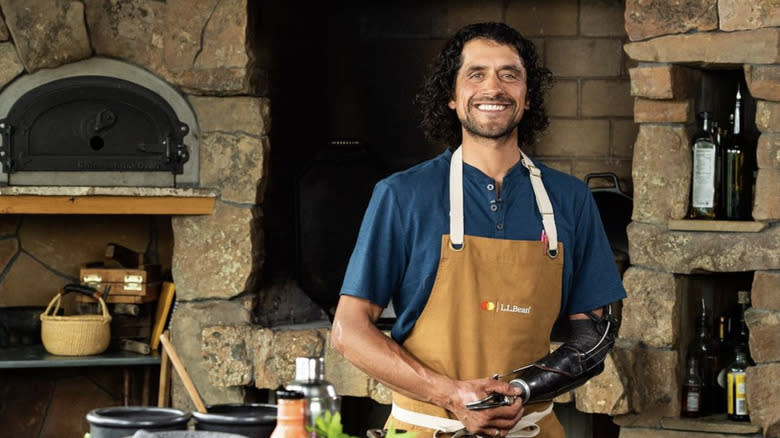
(290, 415)
(692, 390)
(737, 183)
(705, 185)
(737, 408)
(320, 394)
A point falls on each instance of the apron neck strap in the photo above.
(543, 203)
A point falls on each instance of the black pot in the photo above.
(254, 420)
(123, 421)
(615, 208)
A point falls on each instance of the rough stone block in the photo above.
(763, 395)
(768, 116)
(765, 292)
(768, 151)
(602, 18)
(3, 30)
(603, 394)
(741, 47)
(228, 357)
(58, 37)
(214, 255)
(577, 138)
(250, 115)
(221, 153)
(187, 323)
(653, 375)
(656, 247)
(449, 17)
(763, 81)
(610, 97)
(663, 111)
(624, 134)
(651, 311)
(663, 81)
(10, 64)
(132, 31)
(543, 18)
(574, 57)
(206, 47)
(562, 99)
(766, 204)
(748, 14)
(662, 163)
(275, 351)
(764, 326)
(649, 18)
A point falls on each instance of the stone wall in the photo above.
(673, 44)
(204, 49)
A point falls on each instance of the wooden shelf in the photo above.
(106, 200)
(717, 423)
(716, 226)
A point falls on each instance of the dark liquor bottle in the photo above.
(692, 390)
(722, 357)
(742, 333)
(737, 390)
(705, 186)
(702, 348)
(736, 181)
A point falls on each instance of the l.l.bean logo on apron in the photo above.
(497, 306)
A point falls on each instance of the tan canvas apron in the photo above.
(491, 310)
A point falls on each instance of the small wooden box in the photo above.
(126, 285)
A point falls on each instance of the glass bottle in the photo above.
(736, 389)
(736, 195)
(724, 352)
(705, 186)
(290, 415)
(702, 348)
(692, 390)
(742, 335)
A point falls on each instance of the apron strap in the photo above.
(526, 427)
(543, 203)
(456, 199)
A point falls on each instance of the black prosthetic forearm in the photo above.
(573, 363)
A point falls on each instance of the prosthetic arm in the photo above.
(568, 367)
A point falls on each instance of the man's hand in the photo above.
(486, 422)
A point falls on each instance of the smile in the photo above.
(491, 107)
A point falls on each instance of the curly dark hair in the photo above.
(440, 124)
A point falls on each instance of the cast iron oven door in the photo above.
(92, 123)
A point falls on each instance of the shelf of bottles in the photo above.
(723, 153)
(714, 345)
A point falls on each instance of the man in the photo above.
(478, 269)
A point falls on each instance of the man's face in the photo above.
(490, 89)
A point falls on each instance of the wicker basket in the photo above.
(76, 335)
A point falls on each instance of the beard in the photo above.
(492, 129)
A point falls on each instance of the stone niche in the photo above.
(675, 47)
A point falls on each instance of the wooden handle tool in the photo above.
(182, 372)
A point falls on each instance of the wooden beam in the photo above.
(102, 204)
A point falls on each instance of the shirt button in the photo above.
(499, 226)
(493, 207)
(490, 187)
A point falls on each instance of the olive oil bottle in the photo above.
(705, 181)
